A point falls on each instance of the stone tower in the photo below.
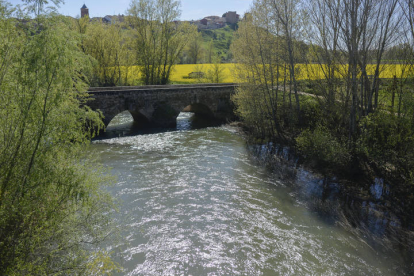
(84, 11)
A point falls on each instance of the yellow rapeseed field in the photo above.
(312, 71)
(316, 71)
(181, 71)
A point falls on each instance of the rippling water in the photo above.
(195, 203)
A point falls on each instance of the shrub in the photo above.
(322, 147)
(389, 141)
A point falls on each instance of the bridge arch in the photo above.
(118, 119)
(138, 118)
(199, 109)
(165, 114)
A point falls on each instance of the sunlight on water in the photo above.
(194, 203)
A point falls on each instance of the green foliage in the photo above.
(53, 211)
(158, 41)
(194, 50)
(321, 146)
(389, 141)
(215, 74)
(217, 42)
(311, 112)
(103, 42)
(353, 115)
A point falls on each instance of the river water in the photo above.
(194, 201)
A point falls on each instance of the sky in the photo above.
(190, 9)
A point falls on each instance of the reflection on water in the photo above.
(195, 203)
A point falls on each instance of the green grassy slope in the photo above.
(221, 40)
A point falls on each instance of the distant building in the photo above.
(231, 17)
(204, 21)
(112, 19)
(221, 20)
(210, 22)
(213, 17)
(107, 19)
(84, 11)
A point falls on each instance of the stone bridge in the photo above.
(159, 105)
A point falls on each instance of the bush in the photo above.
(310, 112)
(389, 141)
(322, 147)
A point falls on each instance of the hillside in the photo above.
(218, 42)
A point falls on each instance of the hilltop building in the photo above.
(207, 23)
(108, 19)
(216, 22)
(84, 11)
(231, 17)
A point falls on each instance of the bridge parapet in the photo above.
(156, 105)
(162, 87)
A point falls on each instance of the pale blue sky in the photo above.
(190, 9)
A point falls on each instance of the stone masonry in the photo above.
(155, 106)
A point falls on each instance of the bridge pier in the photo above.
(139, 118)
(164, 115)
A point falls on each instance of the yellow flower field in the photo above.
(312, 71)
(181, 71)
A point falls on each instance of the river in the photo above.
(194, 201)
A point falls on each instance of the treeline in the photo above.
(352, 118)
(150, 37)
(148, 43)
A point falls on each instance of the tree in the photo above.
(325, 51)
(53, 211)
(287, 14)
(404, 54)
(195, 48)
(259, 53)
(351, 37)
(104, 42)
(215, 73)
(158, 38)
(210, 52)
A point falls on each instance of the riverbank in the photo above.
(376, 210)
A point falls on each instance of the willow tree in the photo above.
(159, 39)
(52, 209)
